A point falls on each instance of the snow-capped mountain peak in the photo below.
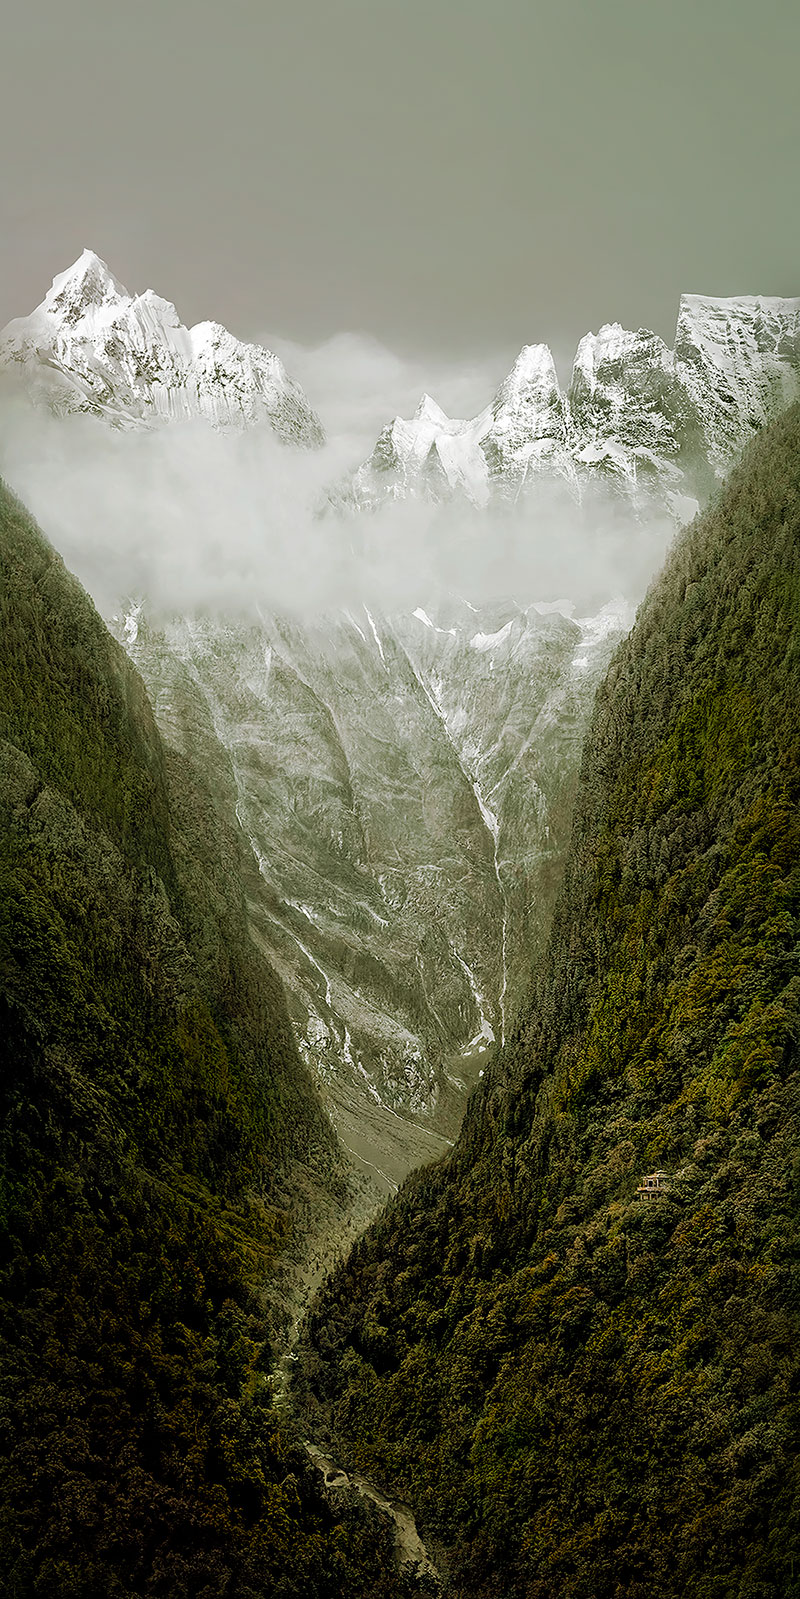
(534, 365)
(615, 346)
(86, 287)
(429, 411)
(91, 346)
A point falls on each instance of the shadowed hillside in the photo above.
(161, 1151)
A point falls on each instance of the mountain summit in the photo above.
(91, 346)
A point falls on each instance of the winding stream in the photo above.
(410, 1549)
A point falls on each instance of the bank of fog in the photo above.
(189, 519)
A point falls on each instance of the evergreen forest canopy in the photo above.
(160, 1142)
(581, 1394)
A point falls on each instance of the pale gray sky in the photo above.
(451, 177)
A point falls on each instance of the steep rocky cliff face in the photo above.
(405, 785)
(650, 425)
(581, 1391)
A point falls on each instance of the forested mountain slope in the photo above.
(581, 1394)
(160, 1147)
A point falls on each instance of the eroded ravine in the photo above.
(492, 826)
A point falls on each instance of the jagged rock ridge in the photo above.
(654, 423)
(90, 346)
